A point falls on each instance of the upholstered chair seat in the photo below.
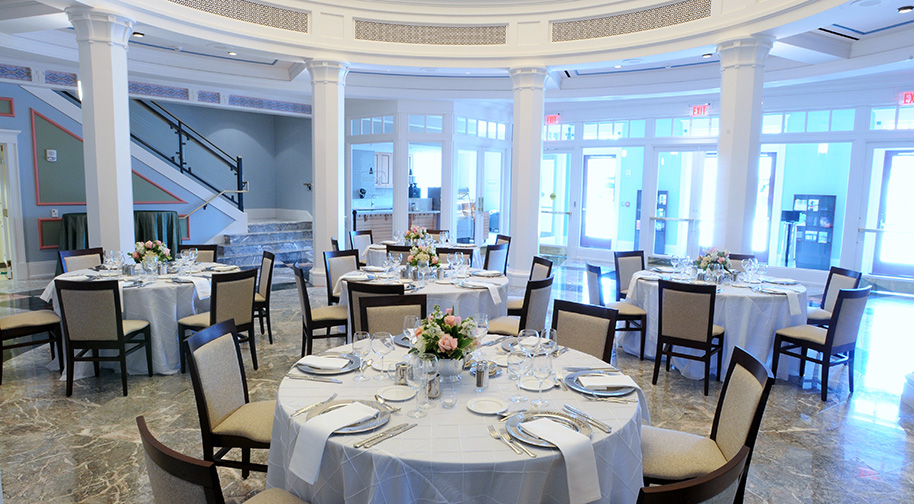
(627, 309)
(633, 316)
(33, 318)
(536, 303)
(332, 312)
(253, 420)
(693, 455)
(817, 316)
(586, 328)
(24, 327)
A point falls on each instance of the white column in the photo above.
(529, 92)
(742, 71)
(102, 41)
(328, 80)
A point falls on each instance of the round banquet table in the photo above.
(377, 252)
(750, 319)
(450, 457)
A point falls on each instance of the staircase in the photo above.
(290, 241)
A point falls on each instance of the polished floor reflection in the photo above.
(853, 448)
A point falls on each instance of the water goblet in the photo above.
(542, 370)
(762, 270)
(529, 340)
(430, 368)
(193, 254)
(548, 340)
(410, 325)
(361, 345)
(519, 363)
(382, 343)
(713, 273)
(416, 378)
(423, 271)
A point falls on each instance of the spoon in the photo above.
(383, 402)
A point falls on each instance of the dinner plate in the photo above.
(742, 285)
(354, 363)
(571, 380)
(359, 278)
(374, 422)
(649, 278)
(663, 269)
(485, 273)
(402, 340)
(472, 285)
(373, 269)
(501, 360)
(514, 427)
(390, 364)
(444, 281)
(780, 281)
(487, 405)
(532, 384)
(397, 393)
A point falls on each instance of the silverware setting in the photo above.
(383, 402)
(620, 400)
(591, 420)
(495, 435)
(511, 441)
(384, 436)
(505, 415)
(312, 406)
(495, 342)
(322, 379)
(560, 380)
(607, 368)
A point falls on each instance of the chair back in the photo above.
(741, 404)
(205, 253)
(845, 320)
(360, 240)
(74, 260)
(717, 487)
(595, 284)
(386, 313)
(444, 251)
(176, 478)
(337, 264)
(233, 298)
(541, 268)
(359, 290)
(90, 311)
(536, 304)
(838, 278)
(686, 311)
(266, 274)
(400, 249)
(627, 264)
(497, 258)
(302, 285)
(736, 261)
(500, 239)
(436, 233)
(334, 244)
(217, 374)
(586, 328)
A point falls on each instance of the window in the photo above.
(688, 126)
(884, 118)
(371, 125)
(612, 130)
(556, 132)
(812, 121)
(480, 128)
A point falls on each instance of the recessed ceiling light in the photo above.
(905, 9)
(139, 34)
(232, 53)
(706, 55)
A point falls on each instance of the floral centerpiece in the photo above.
(445, 335)
(415, 233)
(713, 256)
(155, 249)
(422, 253)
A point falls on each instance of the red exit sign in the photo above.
(907, 98)
(552, 119)
(701, 110)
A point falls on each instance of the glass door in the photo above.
(764, 203)
(555, 212)
(479, 195)
(599, 209)
(894, 254)
(686, 182)
(490, 205)
(465, 211)
(424, 166)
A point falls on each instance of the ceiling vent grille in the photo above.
(252, 12)
(430, 34)
(632, 22)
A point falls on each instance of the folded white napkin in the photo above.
(793, 300)
(493, 291)
(319, 362)
(604, 382)
(225, 269)
(529, 341)
(486, 273)
(202, 286)
(372, 269)
(577, 450)
(313, 435)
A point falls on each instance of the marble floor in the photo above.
(854, 448)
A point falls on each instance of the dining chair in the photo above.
(337, 264)
(262, 295)
(736, 261)
(837, 342)
(717, 487)
(228, 418)
(504, 240)
(400, 249)
(90, 314)
(176, 478)
(540, 269)
(686, 318)
(334, 244)
(444, 251)
(360, 290)
(386, 313)
(584, 327)
(31, 324)
(206, 253)
(324, 317)
(232, 299)
(74, 260)
(669, 456)
(436, 233)
(497, 258)
(360, 240)
(838, 278)
(633, 316)
(536, 304)
(627, 264)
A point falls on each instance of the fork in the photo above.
(494, 433)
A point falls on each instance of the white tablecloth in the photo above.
(378, 251)
(450, 457)
(750, 319)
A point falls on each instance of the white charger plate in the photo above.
(397, 393)
(532, 384)
(487, 405)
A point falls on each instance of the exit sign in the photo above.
(552, 119)
(907, 98)
(701, 110)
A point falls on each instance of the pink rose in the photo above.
(148, 244)
(450, 320)
(136, 255)
(410, 258)
(449, 311)
(419, 331)
(435, 260)
(447, 343)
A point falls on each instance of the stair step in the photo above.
(267, 227)
(258, 248)
(268, 237)
(254, 260)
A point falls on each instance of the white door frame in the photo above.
(14, 205)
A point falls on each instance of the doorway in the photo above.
(895, 236)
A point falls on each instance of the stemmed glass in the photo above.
(529, 340)
(398, 237)
(415, 378)
(410, 325)
(542, 370)
(430, 367)
(361, 345)
(548, 340)
(714, 273)
(519, 363)
(423, 271)
(482, 326)
(443, 237)
(382, 343)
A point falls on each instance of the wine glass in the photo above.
(416, 378)
(519, 363)
(382, 343)
(410, 325)
(714, 272)
(443, 237)
(762, 270)
(361, 345)
(542, 370)
(482, 326)
(548, 340)
(193, 254)
(529, 340)
(423, 271)
(430, 368)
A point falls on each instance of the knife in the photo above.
(593, 421)
(495, 342)
(311, 407)
(396, 428)
(575, 369)
(388, 435)
(313, 378)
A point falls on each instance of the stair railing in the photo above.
(203, 205)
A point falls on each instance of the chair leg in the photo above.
(70, 361)
(246, 460)
(802, 365)
(260, 318)
(657, 360)
(825, 370)
(253, 344)
(148, 333)
(720, 356)
(669, 358)
(850, 370)
(269, 325)
(59, 337)
(643, 335)
(707, 371)
(123, 360)
(304, 342)
(777, 356)
(95, 363)
(182, 347)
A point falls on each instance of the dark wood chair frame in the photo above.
(331, 299)
(400, 249)
(210, 440)
(308, 325)
(532, 286)
(262, 308)
(420, 300)
(633, 323)
(353, 234)
(63, 254)
(207, 246)
(740, 257)
(249, 327)
(746, 361)
(119, 344)
(834, 270)
(711, 345)
(373, 290)
(560, 305)
(54, 338)
(536, 260)
(831, 355)
(700, 489)
(334, 244)
(616, 257)
(490, 248)
(437, 232)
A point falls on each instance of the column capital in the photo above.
(743, 52)
(95, 26)
(327, 71)
(528, 77)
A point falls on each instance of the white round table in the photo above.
(450, 457)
